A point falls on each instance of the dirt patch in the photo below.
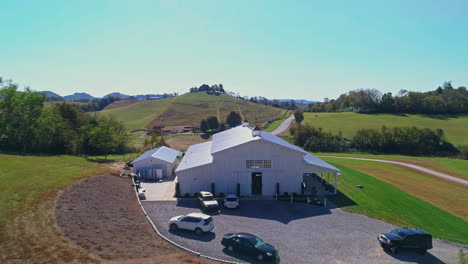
(102, 216)
(182, 143)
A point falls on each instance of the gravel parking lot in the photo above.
(302, 233)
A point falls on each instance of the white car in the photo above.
(207, 201)
(231, 201)
(195, 221)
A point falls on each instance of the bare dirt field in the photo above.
(102, 216)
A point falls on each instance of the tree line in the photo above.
(443, 100)
(216, 89)
(29, 125)
(395, 140)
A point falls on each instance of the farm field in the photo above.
(448, 196)
(455, 126)
(450, 166)
(188, 109)
(28, 188)
(384, 201)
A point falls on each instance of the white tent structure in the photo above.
(254, 160)
(157, 163)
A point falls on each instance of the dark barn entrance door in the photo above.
(256, 183)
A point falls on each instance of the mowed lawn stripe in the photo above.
(384, 201)
(448, 196)
(455, 126)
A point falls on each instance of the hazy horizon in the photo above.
(301, 50)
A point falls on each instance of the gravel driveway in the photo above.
(302, 233)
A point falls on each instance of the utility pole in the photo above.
(161, 127)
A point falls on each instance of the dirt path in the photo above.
(284, 126)
(412, 166)
(102, 216)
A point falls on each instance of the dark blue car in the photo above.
(250, 245)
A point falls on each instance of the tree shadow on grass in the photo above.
(101, 161)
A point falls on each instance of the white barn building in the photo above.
(157, 163)
(254, 159)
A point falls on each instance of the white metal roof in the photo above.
(196, 155)
(161, 153)
(314, 161)
(201, 154)
(232, 137)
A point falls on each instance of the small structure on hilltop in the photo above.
(157, 163)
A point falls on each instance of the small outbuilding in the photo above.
(157, 163)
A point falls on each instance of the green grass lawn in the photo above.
(455, 126)
(448, 196)
(24, 179)
(383, 201)
(188, 109)
(451, 166)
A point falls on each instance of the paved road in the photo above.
(284, 126)
(302, 233)
(416, 167)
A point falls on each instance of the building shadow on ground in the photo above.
(410, 255)
(205, 237)
(339, 200)
(265, 209)
(247, 258)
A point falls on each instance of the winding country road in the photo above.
(416, 167)
(284, 126)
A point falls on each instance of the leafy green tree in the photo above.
(204, 126)
(298, 116)
(233, 119)
(213, 123)
(107, 136)
(19, 113)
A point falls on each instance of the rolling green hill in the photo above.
(455, 126)
(188, 109)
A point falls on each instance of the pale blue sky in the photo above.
(277, 49)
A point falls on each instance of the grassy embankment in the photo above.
(455, 126)
(276, 123)
(381, 200)
(188, 109)
(450, 166)
(446, 195)
(28, 188)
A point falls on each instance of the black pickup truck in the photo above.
(407, 238)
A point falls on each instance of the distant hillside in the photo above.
(300, 101)
(188, 109)
(78, 96)
(118, 95)
(121, 103)
(50, 94)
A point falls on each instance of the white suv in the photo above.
(231, 201)
(195, 221)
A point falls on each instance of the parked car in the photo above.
(250, 245)
(207, 201)
(231, 201)
(195, 221)
(405, 238)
